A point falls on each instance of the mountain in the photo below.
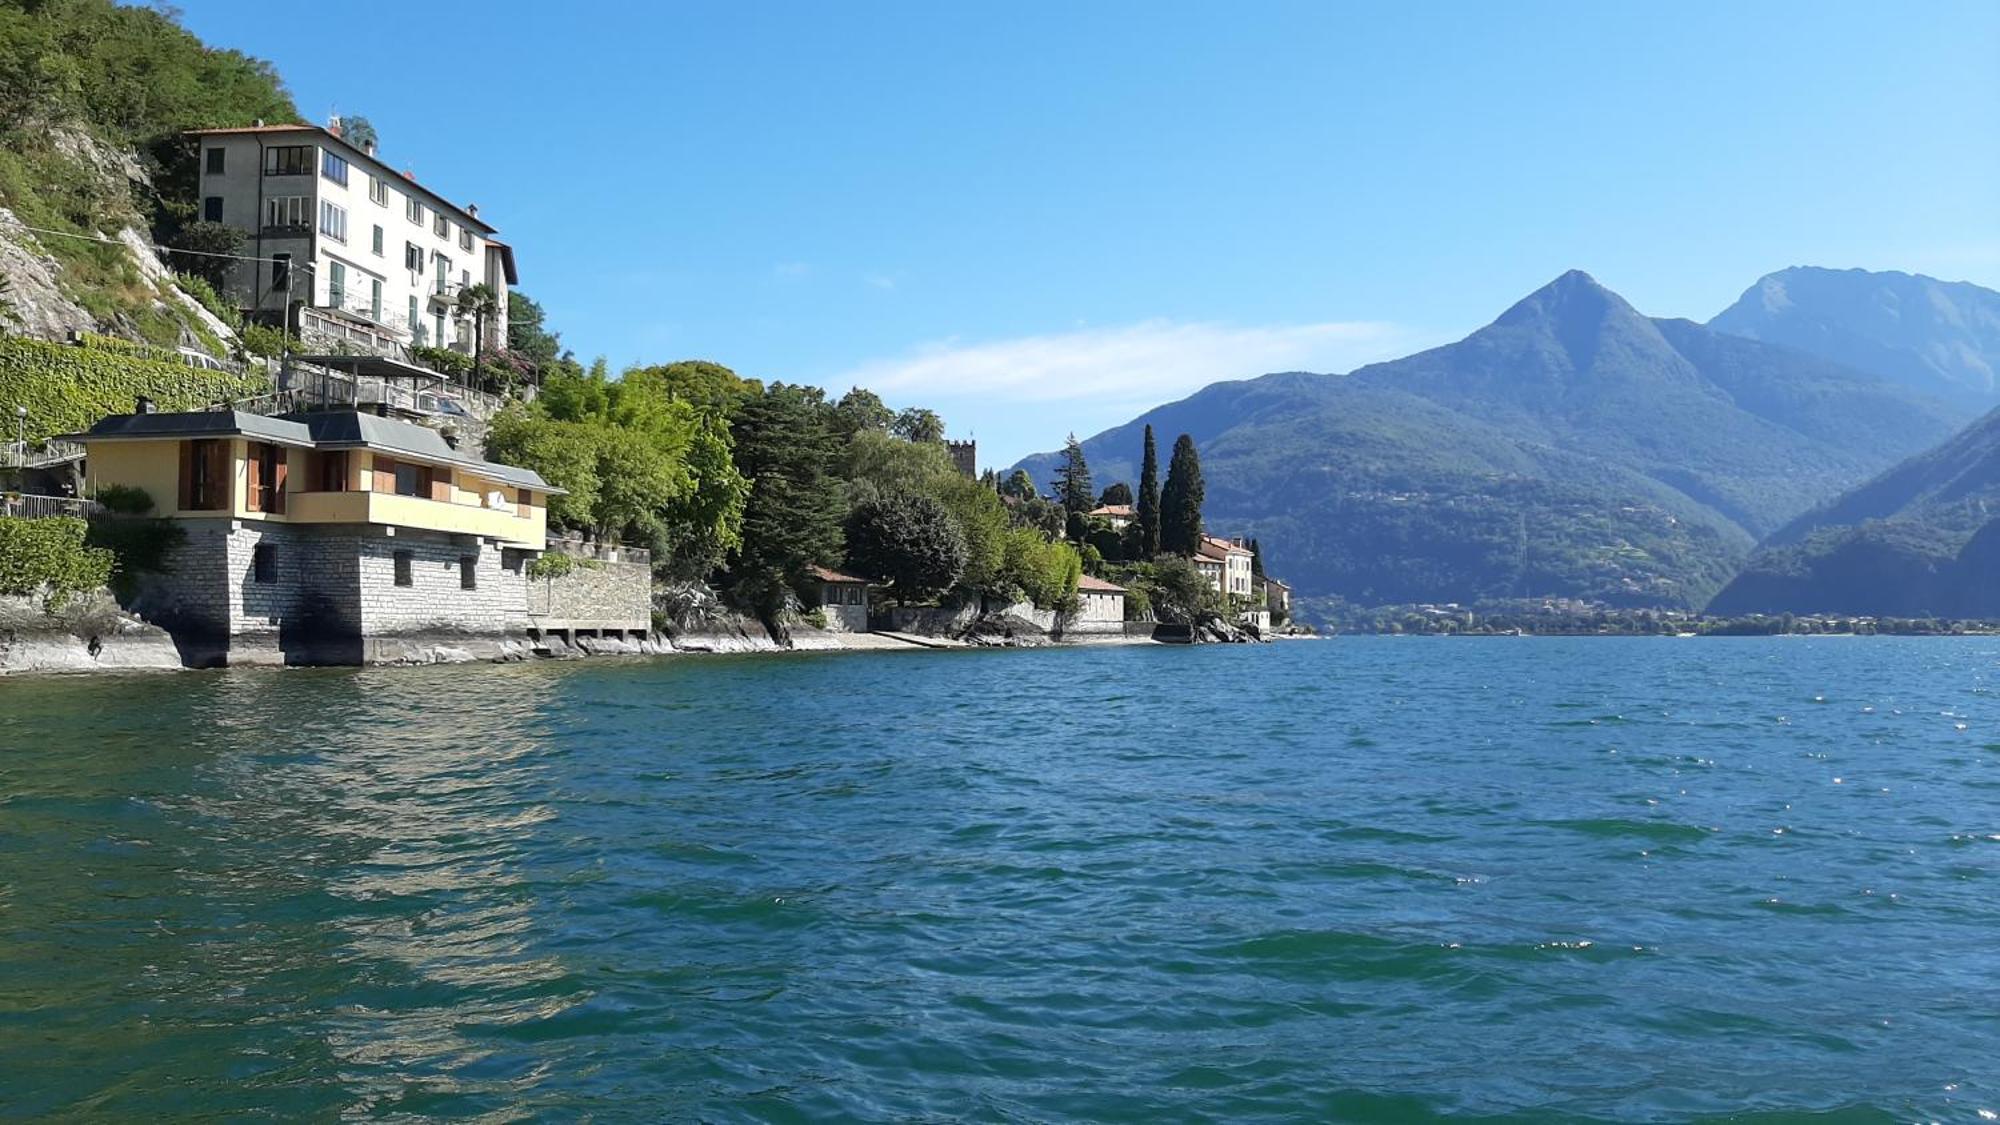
(1573, 447)
(1940, 338)
(1921, 540)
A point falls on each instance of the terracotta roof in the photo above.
(1124, 511)
(1098, 585)
(1220, 548)
(825, 575)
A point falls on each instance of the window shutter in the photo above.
(385, 474)
(254, 478)
(441, 485)
(218, 480)
(187, 476)
(280, 469)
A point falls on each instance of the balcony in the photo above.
(416, 512)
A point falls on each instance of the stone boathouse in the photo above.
(338, 537)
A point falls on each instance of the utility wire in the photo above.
(155, 246)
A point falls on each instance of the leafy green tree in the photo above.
(195, 250)
(1181, 500)
(1043, 572)
(862, 411)
(1149, 500)
(358, 131)
(908, 541)
(706, 522)
(708, 387)
(1020, 486)
(874, 464)
(1072, 485)
(918, 424)
(792, 515)
(1119, 495)
(528, 334)
(1179, 593)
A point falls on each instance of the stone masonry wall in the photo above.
(435, 601)
(599, 593)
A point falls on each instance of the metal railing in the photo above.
(39, 455)
(29, 506)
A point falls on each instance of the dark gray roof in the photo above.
(206, 423)
(325, 429)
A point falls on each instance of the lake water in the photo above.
(1369, 879)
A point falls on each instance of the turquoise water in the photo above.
(1365, 879)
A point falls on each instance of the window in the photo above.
(440, 225)
(375, 299)
(211, 208)
(402, 560)
(204, 475)
(413, 257)
(375, 242)
(443, 265)
(264, 474)
(287, 211)
(854, 595)
(264, 564)
(328, 471)
(281, 271)
(213, 165)
(378, 192)
(413, 315)
(288, 160)
(333, 167)
(412, 480)
(468, 572)
(414, 209)
(465, 238)
(333, 220)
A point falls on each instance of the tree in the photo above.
(1043, 572)
(792, 515)
(1179, 593)
(918, 424)
(1149, 500)
(1181, 500)
(709, 387)
(526, 334)
(358, 131)
(909, 542)
(482, 304)
(195, 249)
(1119, 495)
(1256, 560)
(1020, 486)
(1072, 484)
(862, 411)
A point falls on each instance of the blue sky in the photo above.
(1044, 217)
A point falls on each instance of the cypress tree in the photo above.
(1256, 559)
(1149, 500)
(1180, 501)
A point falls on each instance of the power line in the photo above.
(155, 246)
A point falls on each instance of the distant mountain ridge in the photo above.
(1937, 337)
(1573, 447)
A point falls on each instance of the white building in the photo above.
(1226, 563)
(372, 256)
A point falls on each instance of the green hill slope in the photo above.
(1571, 448)
(1922, 539)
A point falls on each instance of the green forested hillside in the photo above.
(1571, 448)
(1922, 539)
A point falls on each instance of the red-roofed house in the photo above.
(844, 598)
(1226, 565)
(1120, 516)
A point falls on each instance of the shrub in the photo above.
(198, 287)
(137, 546)
(444, 361)
(125, 499)
(49, 556)
(262, 339)
(552, 564)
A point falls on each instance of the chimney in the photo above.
(409, 175)
(333, 125)
(472, 209)
(450, 437)
(369, 148)
(144, 406)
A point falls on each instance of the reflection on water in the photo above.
(1363, 880)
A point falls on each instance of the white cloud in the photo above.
(1151, 362)
(878, 281)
